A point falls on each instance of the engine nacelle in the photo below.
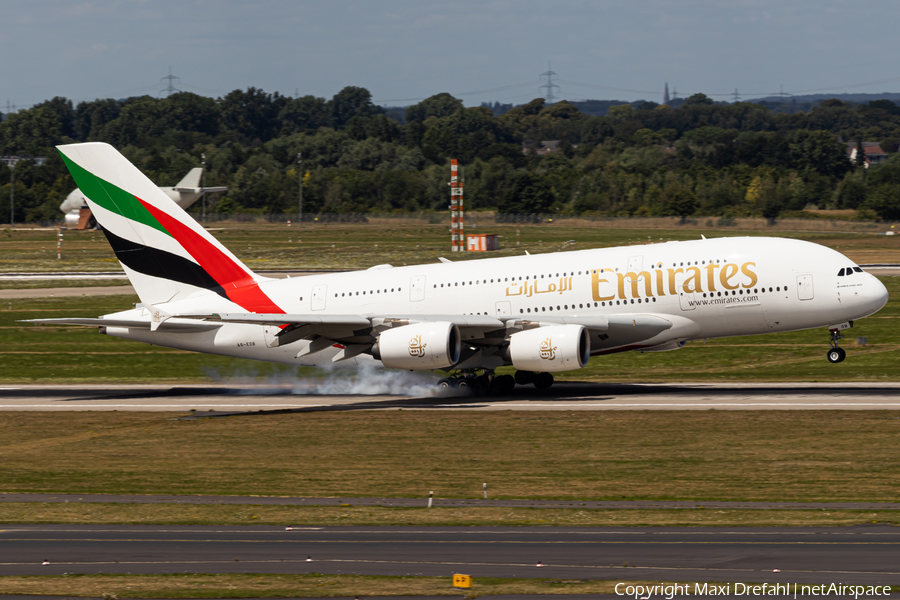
(550, 349)
(419, 346)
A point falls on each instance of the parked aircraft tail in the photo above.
(192, 179)
(166, 254)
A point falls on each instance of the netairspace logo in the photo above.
(647, 592)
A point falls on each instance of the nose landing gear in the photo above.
(836, 354)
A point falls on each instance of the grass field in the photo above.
(693, 455)
(355, 246)
(75, 354)
(348, 514)
(280, 586)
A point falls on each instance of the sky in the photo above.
(403, 51)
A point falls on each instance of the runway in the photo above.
(853, 555)
(303, 397)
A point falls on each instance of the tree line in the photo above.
(699, 158)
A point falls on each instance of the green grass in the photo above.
(348, 514)
(349, 246)
(693, 455)
(37, 284)
(257, 585)
(62, 354)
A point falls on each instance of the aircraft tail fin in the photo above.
(166, 254)
(192, 179)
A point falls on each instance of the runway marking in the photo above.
(451, 563)
(323, 530)
(209, 407)
(491, 542)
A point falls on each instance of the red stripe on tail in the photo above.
(238, 284)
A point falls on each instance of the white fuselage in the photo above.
(706, 288)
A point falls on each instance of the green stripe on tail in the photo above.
(110, 197)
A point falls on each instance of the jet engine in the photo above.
(419, 346)
(550, 349)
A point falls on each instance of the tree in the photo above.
(680, 200)
(351, 102)
(34, 131)
(529, 194)
(818, 151)
(63, 109)
(304, 113)
(252, 114)
(885, 201)
(91, 117)
(860, 152)
(439, 105)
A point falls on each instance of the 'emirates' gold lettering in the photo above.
(729, 270)
(596, 280)
(710, 276)
(634, 277)
(605, 287)
(672, 273)
(695, 279)
(745, 269)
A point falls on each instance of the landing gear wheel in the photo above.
(480, 385)
(464, 385)
(447, 383)
(836, 355)
(502, 385)
(524, 377)
(543, 380)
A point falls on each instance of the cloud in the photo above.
(81, 53)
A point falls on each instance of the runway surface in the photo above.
(852, 555)
(303, 397)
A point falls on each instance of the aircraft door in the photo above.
(635, 264)
(686, 299)
(417, 288)
(503, 308)
(805, 287)
(319, 295)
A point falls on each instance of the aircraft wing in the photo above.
(281, 319)
(130, 323)
(643, 324)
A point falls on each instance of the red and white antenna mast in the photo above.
(457, 228)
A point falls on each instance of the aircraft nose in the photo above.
(877, 296)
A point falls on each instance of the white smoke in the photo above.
(367, 380)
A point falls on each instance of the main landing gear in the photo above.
(836, 354)
(540, 380)
(479, 385)
(470, 383)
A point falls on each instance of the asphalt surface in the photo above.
(311, 396)
(439, 502)
(851, 555)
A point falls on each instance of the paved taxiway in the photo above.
(863, 554)
(219, 400)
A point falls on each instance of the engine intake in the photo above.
(419, 346)
(550, 349)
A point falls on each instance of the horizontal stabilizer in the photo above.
(200, 190)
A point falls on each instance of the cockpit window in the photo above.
(841, 273)
(849, 270)
(857, 269)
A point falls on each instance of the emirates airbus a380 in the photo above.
(541, 314)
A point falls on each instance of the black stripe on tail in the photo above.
(159, 263)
